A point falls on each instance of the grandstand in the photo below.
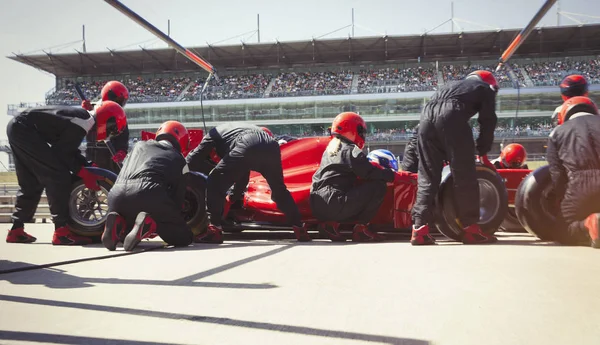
(297, 88)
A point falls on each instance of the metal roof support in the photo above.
(67, 66)
(155, 59)
(32, 62)
(114, 53)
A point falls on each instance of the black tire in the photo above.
(194, 211)
(493, 209)
(536, 205)
(511, 222)
(88, 209)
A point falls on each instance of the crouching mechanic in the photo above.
(512, 156)
(242, 148)
(45, 145)
(573, 156)
(445, 134)
(336, 194)
(97, 151)
(149, 193)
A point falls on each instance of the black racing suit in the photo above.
(242, 148)
(336, 193)
(45, 146)
(445, 135)
(573, 155)
(99, 153)
(152, 181)
(410, 160)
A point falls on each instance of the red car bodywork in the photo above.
(300, 159)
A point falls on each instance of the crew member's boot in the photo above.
(421, 237)
(592, 223)
(474, 235)
(361, 233)
(115, 230)
(144, 227)
(214, 234)
(63, 236)
(331, 230)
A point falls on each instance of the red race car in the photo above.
(301, 158)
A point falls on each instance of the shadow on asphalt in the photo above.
(195, 318)
(58, 279)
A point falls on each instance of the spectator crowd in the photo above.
(425, 77)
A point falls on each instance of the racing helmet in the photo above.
(513, 156)
(575, 105)
(485, 76)
(174, 132)
(268, 131)
(385, 158)
(115, 91)
(573, 85)
(110, 120)
(350, 126)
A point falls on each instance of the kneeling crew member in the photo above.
(573, 155)
(513, 156)
(45, 145)
(149, 193)
(336, 195)
(243, 148)
(445, 134)
(97, 151)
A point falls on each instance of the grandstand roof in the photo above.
(542, 42)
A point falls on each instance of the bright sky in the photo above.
(31, 25)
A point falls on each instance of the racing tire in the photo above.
(194, 210)
(493, 204)
(88, 209)
(511, 222)
(536, 205)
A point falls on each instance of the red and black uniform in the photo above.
(410, 160)
(573, 155)
(337, 194)
(98, 152)
(45, 145)
(445, 134)
(242, 148)
(152, 181)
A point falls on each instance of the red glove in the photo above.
(119, 156)
(90, 179)
(87, 105)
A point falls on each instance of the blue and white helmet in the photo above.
(385, 158)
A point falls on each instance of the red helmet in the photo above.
(174, 130)
(573, 85)
(513, 156)
(350, 126)
(268, 131)
(116, 92)
(486, 77)
(110, 120)
(575, 105)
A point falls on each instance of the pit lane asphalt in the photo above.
(265, 288)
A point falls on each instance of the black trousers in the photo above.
(250, 153)
(135, 196)
(102, 157)
(38, 168)
(438, 141)
(582, 198)
(360, 204)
